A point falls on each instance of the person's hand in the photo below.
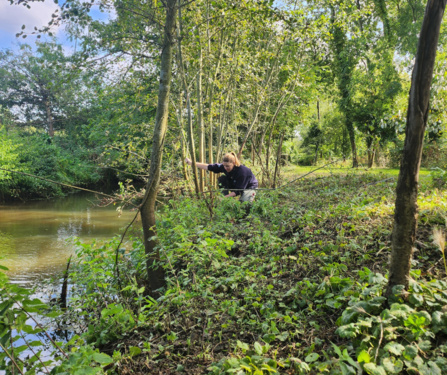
(188, 161)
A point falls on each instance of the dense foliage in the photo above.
(294, 287)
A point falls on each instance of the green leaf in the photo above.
(394, 348)
(258, 348)
(410, 352)
(364, 357)
(416, 299)
(392, 367)
(283, 336)
(134, 350)
(347, 331)
(268, 337)
(311, 357)
(242, 345)
(373, 369)
(431, 368)
(4, 268)
(102, 359)
(34, 305)
(87, 371)
(424, 345)
(337, 350)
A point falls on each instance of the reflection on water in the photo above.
(33, 234)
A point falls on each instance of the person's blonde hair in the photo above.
(230, 157)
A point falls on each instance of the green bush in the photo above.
(438, 177)
(36, 153)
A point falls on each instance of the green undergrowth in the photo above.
(292, 287)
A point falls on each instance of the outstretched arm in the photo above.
(198, 165)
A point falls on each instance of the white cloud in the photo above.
(12, 17)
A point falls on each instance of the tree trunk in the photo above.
(252, 151)
(192, 148)
(201, 132)
(371, 155)
(278, 159)
(350, 127)
(316, 153)
(200, 115)
(344, 67)
(156, 274)
(318, 110)
(267, 156)
(183, 138)
(49, 119)
(188, 103)
(406, 210)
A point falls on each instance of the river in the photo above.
(34, 246)
(33, 235)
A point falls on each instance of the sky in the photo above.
(12, 17)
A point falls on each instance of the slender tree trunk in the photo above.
(370, 150)
(200, 118)
(184, 166)
(49, 119)
(252, 151)
(317, 146)
(278, 160)
(406, 210)
(267, 156)
(192, 148)
(156, 275)
(219, 131)
(316, 153)
(350, 128)
(223, 124)
(182, 138)
(188, 102)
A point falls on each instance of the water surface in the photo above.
(33, 235)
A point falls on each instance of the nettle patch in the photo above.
(408, 336)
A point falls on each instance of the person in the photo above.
(236, 176)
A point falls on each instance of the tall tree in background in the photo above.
(406, 210)
(39, 86)
(344, 63)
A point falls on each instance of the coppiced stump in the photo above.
(406, 210)
(156, 275)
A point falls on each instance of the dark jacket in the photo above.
(241, 177)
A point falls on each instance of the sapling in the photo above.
(439, 240)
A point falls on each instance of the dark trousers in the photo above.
(225, 183)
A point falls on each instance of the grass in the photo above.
(292, 171)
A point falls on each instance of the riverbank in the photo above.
(271, 290)
(280, 289)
